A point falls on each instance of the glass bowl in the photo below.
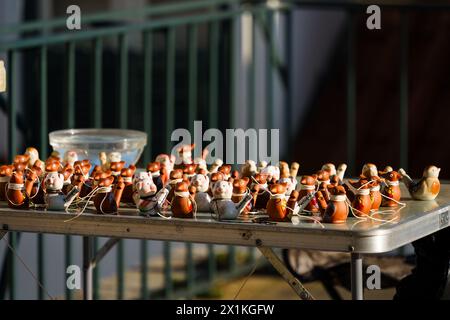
(88, 143)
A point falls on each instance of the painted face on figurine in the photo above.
(143, 184)
(54, 181)
(201, 182)
(222, 190)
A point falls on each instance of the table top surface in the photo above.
(416, 220)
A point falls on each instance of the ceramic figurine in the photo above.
(375, 195)
(84, 167)
(67, 172)
(70, 157)
(103, 161)
(184, 155)
(2, 76)
(391, 188)
(201, 161)
(427, 188)
(286, 178)
(322, 201)
(277, 206)
(176, 176)
(5, 174)
(116, 168)
(369, 170)
(361, 200)
(330, 168)
(55, 199)
(33, 155)
(261, 165)
(127, 176)
(259, 191)
(240, 191)
(221, 204)
(215, 166)
(148, 200)
(226, 170)
(213, 178)
(107, 197)
(55, 155)
(248, 169)
(340, 172)
(33, 187)
(189, 171)
(15, 193)
(183, 204)
(22, 159)
(337, 209)
(167, 162)
(155, 169)
(295, 166)
(201, 182)
(308, 187)
(272, 172)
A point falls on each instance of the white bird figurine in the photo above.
(427, 188)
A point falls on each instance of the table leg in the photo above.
(357, 276)
(298, 287)
(88, 267)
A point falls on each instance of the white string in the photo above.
(93, 193)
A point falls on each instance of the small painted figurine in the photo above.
(15, 193)
(116, 168)
(226, 171)
(67, 172)
(427, 188)
(166, 166)
(278, 208)
(337, 209)
(259, 191)
(5, 174)
(261, 165)
(215, 166)
(307, 187)
(183, 203)
(201, 182)
(272, 173)
(189, 171)
(107, 197)
(148, 200)
(213, 178)
(33, 187)
(154, 168)
(176, 176)
(127, 177)
(221, 204)
(33, 155)
(287, 178)
(240, 191)
(391, 189)
(53, 184)
(330, 168)
(361, 200)
(184, 155)
(248, 169)
(70, 157)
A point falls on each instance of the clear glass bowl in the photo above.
(88, 143)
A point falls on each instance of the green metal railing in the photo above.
(216, 16)
(220, 19)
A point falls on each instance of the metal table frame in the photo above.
(416, 220)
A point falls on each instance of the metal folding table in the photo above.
(358, 237)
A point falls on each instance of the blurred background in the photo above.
(337, 91)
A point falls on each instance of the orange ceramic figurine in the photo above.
(127, 176)
(427, 188)
(259, 192)
(337, 209)
(15, 193)
(155, 169)
(226, 170)
(176, 176)
(189, 171)
(391, 189)
(307, 187)
(5, 174)
(361, 201)
(33, 187)
(183, 204)
(277, 207)
(240, 191)
(107, 199)
(166, 166)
